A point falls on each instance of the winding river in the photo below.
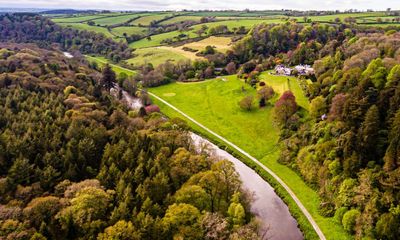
(267, 206)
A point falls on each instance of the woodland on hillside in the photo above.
(75, 159)
(77, 164)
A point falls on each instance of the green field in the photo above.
(146, 20)
(82, 26)
(101, 61)
(156, 56)
(119, 31)
(235, 13)
(221, 44)
(214, 104)
(157, 39)
(79, 19)
(179, 19)
(116, 19)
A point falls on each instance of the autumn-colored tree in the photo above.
(230, 68)
(247, 103)
(285, 107)
(122, 230)
(336, 110)
(264, 95)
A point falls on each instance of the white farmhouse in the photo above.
(282, 70)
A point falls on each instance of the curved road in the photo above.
(291, 193)
(280, 181)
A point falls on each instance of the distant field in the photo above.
(156, 39)
(146, 20)
(345, 15)
(115, 19)
(236, 13)
(156, 56)
(180, 51)
(119, 31)
(342, 16)
(179, 19)
(77, 19)
(101, 61)
(82, 26)
(221, 44)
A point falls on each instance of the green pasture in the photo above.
(214, 103)
(155, 56)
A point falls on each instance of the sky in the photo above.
(205, 4)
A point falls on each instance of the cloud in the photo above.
(205, 4)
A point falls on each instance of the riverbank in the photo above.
(267, 206)
(303, 222)
(214, 104)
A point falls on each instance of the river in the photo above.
(267, 206)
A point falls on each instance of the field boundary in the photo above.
(269, 171)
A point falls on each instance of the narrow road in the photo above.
(280, 181)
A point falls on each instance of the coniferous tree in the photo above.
(392, 155)
(369, 133)
(109, 77)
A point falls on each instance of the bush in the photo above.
(152, 108)
(339, 214)
(388, 226)
(246, 103)
(349, 220)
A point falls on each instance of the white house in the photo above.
(304, 69)
(282, 70)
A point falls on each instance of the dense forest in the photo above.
(77, 164)
(348, 146)
(23, 28)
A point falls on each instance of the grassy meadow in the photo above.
(119, 31)
(101, 61)
(221, 44)
(146, 20)
(214, 103)
(82, 26)
(116, 19)
(157, 39)
(156, 56)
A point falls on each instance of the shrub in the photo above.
(349, 220)
(339, 214)
(388, 226)
(246, 103)
(152, 108)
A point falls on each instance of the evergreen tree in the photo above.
(109, 77)
(392, 155)
(369, 133)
